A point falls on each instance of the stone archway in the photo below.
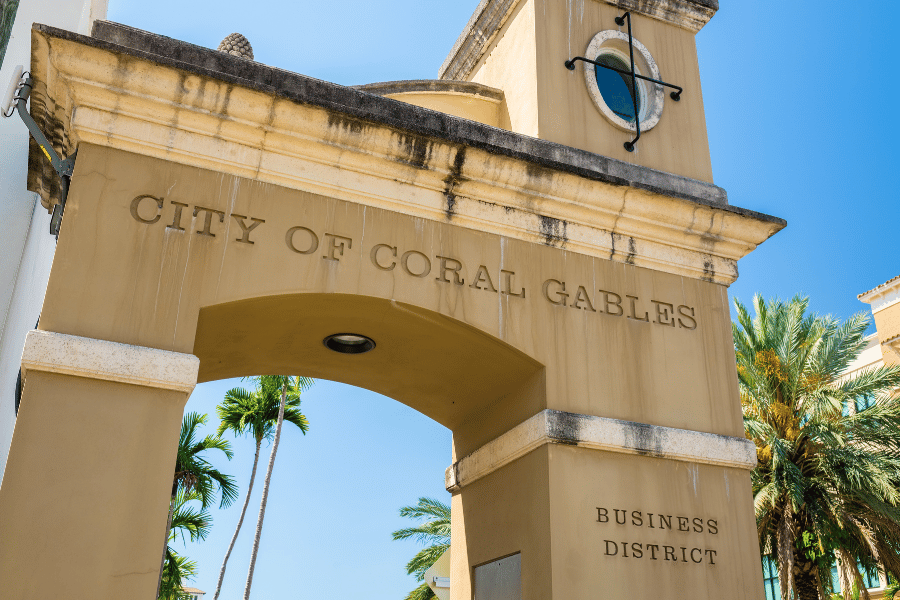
(564, 316)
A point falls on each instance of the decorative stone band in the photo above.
(599, 433)
(110, 361)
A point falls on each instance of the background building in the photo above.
(883, 347)
(26, 247)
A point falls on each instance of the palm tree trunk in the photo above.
(240, 521)
(265, 492)
(162, 563)
(806, 578)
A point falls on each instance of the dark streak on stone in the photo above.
(453, 178)
(339, 121)
(417, 150)
(564, 427)
(632, 251)
(554, 231)
(709, 269)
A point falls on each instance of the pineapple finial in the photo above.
(237, 45)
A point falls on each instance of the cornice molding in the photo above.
(599, 433)
(381, 153)
(110, 361)
(884, 296)
(687, 14)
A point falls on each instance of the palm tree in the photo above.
(190, 523)
(288, 387)
(826, 481)
(255, 413)
(434, 531)
(193, 473)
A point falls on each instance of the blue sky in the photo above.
(802, 125)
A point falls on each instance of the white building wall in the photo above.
(26, 247)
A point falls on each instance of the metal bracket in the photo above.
(63, 167)
(676, 95)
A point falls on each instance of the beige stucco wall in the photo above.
(147, 284)
(887, 322)
(510, 64)
(82, 493)
(547, 100)
(468, 106)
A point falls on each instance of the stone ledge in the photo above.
(110, 361)
(600, 433)
(437, 86)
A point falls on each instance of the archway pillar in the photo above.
(109, 415)
(593, 503)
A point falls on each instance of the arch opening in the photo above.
(441, 367)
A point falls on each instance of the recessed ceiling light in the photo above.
(349, 343)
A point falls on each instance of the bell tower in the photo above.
(535, 51)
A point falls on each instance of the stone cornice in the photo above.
(884, 296)
(261, 123)
(490, 16)
(688, 14)
(109, 361)
(599, 433)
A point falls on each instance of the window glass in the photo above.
(865, 401)
(770, 579)
(616, 88)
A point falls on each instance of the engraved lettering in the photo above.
(617, 303)
(602, 515)
(636, 518)
(245, 237)
(651, 520)
(664, 313)
(692, 323)
(633, 316)
(507, 279)
(615, 548)
(374, 256)
(670, 551)
(582, 296)
(559, 294)
(712, 526)
(636, 550)
(697, 560)
(452, 265)
(176, 220)
(624, 514)
(683, 524)
(698, 525)
(625, 549)
(711, 554)
(404, 262)
(338, 243)
(136, 204)
(683, 554)
(313, 240)
(207, 220)
(653, 549)
(482, 276)
(665, 520)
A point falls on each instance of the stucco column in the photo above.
(83, 502)
(582, 499)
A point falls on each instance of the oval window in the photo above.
(617, 88)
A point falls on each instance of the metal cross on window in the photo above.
(676, 95)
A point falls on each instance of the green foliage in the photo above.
(826, 480)
(8, 9)
(256, 412)
(193, 473)
(433, 531)
(189, 522)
